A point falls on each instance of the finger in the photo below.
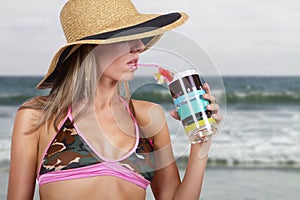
(208, 95)
(214, 108)
(174, 114)
(210, 98)
(217, 117)
(206, 88)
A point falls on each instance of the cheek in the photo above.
(103, 62)
(111, 61)
(108, 54)
(115, 70)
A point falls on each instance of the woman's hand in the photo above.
(174, 114)
(213, 106)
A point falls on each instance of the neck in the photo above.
(107, 93)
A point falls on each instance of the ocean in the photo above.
(260, 130)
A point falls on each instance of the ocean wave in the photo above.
(263, 97)
(4, 153)
(162, 96)
(153, 96)
(14, 99)
(4, 165)
(228, 162)
(211, 162)
(15, 90)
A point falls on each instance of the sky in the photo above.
(242, 37)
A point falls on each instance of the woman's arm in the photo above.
(191, 185)
(23, 161)
(166, 183)
(151, 119)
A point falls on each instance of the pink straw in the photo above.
(149, 65)
(166, 74)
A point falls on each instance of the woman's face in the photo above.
(118, 61)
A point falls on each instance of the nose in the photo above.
(137, 46)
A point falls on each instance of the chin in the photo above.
(127, 77)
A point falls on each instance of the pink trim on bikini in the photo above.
(100, 169)
(137, 136)
(109, 168)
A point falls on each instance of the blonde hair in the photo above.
(77, 79)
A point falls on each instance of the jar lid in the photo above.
(184, 73)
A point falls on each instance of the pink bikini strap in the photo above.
(128, 109)
(69, 110)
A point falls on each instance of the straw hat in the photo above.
(105, 22)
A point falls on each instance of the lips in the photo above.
(133, 63)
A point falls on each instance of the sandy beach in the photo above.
(234, 183)
(251, 183)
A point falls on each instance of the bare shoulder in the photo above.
(150, 117)
(26, 117)
(145, 105)
(146, 110)
(28, 114)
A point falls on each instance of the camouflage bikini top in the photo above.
(70, 156)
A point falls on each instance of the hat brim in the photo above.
(149, 31)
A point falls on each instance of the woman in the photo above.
(87, 139)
